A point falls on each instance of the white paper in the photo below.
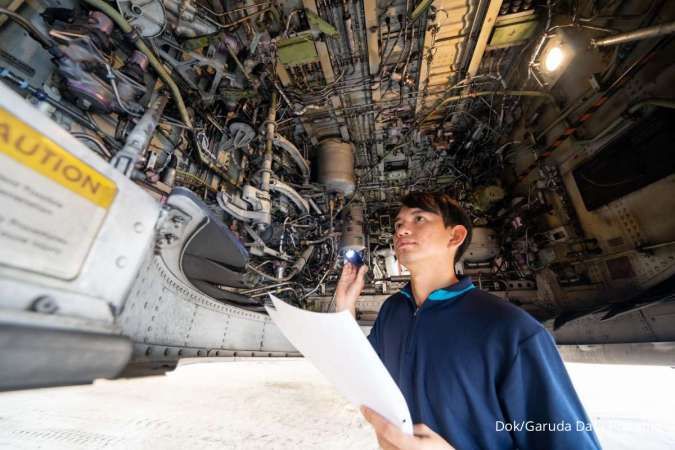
(335, 344)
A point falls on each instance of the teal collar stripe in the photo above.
(463, 286)
(446, 294)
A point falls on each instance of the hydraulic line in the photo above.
(41, 95)
(486, 93)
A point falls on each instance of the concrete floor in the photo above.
(285, 404)
(252, 404)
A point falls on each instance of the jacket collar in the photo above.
(463, 286)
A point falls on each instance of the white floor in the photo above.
(631, 407)
(285, 404)
(244, 404)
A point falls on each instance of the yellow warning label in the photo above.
(30, 148)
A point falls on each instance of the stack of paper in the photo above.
(335, 344)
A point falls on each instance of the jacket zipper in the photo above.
(413, 330)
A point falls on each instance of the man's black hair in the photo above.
(446, 207)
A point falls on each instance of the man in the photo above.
(476, 371)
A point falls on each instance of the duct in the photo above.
(139, 138)
(237, 206)
(284, 189)
(294, 153)
(636, 35)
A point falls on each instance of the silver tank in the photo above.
(353, 236)
(336, 166)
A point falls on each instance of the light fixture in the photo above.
(554, 59)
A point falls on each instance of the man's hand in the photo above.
(349, 287)
(391, 437)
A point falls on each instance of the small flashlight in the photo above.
(353, 257)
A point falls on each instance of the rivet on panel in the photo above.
(44, 304)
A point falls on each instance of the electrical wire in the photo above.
(113, 82)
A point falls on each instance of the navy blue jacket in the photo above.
(480, 372)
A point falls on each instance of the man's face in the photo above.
(422, 236)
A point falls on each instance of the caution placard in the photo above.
(51, 203)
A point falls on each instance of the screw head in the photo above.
(44, 304)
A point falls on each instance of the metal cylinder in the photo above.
(636, 35)
(353, 236)
(169, 174)
(336, 166)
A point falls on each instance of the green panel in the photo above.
(317, 23)
(420, 8)
(200, 42)
(507, 35)
(297, 50)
